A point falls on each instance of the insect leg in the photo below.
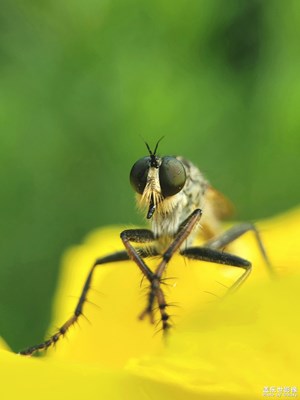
(184, 231)
(142, 236)
(235, 232)
(138, 236)
(118, 256)
(219, 257)
(155, 290)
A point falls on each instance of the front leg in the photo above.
(138, 236)
(115, 257)
(78, 311)
(155, 290)
(143, 236)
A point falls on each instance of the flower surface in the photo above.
(221, 346)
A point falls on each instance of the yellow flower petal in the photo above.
(236, 348)
(115, 334)
(233, 347)
(30, 378)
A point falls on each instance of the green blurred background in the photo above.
(82, 81)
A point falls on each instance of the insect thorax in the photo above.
(174, 210)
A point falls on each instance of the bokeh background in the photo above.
(82, 82)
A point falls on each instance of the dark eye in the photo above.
(139, 173)
(171, 176)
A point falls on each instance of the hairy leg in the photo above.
(115, 257)
(234, 233)
(155, 290)
(219, 257)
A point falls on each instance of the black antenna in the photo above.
(154, 162)
(148, 147)
(155, 150)
(157, 145)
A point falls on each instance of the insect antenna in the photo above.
(153, 154)
(155, 150)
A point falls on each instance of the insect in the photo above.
(175, 197)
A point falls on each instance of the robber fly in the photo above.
(175, 196)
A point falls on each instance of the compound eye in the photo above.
(171, 176)
(139, 173)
